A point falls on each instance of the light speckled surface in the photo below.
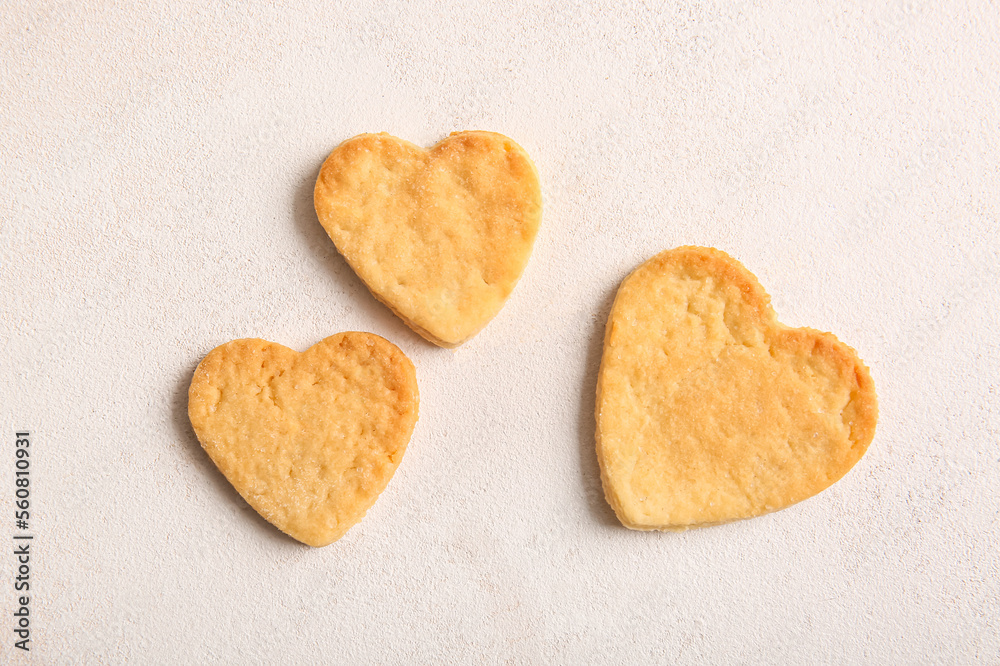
(156, 201)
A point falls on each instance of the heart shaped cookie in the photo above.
(309, 440)
(441, 236)
(709, 410)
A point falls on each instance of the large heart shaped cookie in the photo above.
(709, 410)
(441, 236)
(309, 440)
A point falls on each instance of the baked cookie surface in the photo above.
(708, 409)
(309, 440)
(440, 236)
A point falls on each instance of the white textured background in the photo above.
(155, 200)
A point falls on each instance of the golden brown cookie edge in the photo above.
(213, 358)
(320, 207)
(753, 292)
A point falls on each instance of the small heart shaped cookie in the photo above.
(309, 440)
(709, 410)
(441, 236)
